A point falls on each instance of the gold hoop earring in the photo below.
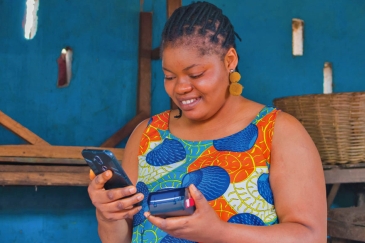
(235, 88)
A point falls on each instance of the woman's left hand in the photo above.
(203, 225)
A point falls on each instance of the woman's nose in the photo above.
(183, 87)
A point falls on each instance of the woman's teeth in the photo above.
(186, 102)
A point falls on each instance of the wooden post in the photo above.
(144, 81)
(172, 5)
(144, 63)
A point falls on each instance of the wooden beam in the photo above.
(344, 175)
(44, 175)
(59, 152)
(345, 230)
(20, 130)
(172, 5)
(144, 81)
(144, 63)
(125, 131)
(332, 195)
(32, 160)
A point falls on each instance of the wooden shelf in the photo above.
(40, 165)
(44, 175)
(346, 173)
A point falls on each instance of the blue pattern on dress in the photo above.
(212, 181)
(138, 218)
(246, 218)
(171, 239)
(263, 186)
(238, 142)
(168, 152)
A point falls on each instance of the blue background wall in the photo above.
(102, 94)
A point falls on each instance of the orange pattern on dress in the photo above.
(151, 134)
(222, 208)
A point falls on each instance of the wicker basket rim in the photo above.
(320, 95)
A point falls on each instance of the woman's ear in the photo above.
(231, 59)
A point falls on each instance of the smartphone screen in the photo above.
(102, 160)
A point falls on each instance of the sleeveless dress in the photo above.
(231, 172)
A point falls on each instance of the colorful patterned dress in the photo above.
(231, 172)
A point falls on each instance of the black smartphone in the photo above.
(171, 202)
(101, 160)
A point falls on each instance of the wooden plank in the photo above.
(59, 152)
(337, 240)
(344, 230)
(144, 63)
(44, 175)
(20, 130)
(44, 179)
(155, 54)
(125, 131)
(354, 215)
(172, 5)
(30, 160)
(332, 195)
(339, 175)
(76, 169)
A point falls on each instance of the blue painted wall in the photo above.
(101, 96)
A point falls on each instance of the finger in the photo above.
(112, 216)
(198, 197)
(111, 195)
(101, 179)
(91, 175)
(126, 203)
(169, 224)
(157, 221)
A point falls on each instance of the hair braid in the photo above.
(199, 19)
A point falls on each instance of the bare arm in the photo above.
(114, 209)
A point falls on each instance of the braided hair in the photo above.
(203, 20)
(199, 19)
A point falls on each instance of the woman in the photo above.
(246, 165)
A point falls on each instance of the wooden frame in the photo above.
(144, 81)
(40, 163)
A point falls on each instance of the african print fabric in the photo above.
(231, 172)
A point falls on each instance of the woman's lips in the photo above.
(188, 103)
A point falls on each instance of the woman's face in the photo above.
(198, 84)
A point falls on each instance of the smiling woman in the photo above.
(31, 19)
(219, 145)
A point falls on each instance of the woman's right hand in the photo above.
(113, 204)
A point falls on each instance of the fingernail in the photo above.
(107, 173)
(132, 190)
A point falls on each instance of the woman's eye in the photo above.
(196, 76)
(169, 78)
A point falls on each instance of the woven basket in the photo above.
(336, 123)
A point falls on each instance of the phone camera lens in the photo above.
(98, 160)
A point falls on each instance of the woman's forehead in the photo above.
(184, 58)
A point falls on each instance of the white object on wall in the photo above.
(297, 37)
(31, 19)
(327, 78)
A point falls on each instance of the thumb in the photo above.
(198, 197)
